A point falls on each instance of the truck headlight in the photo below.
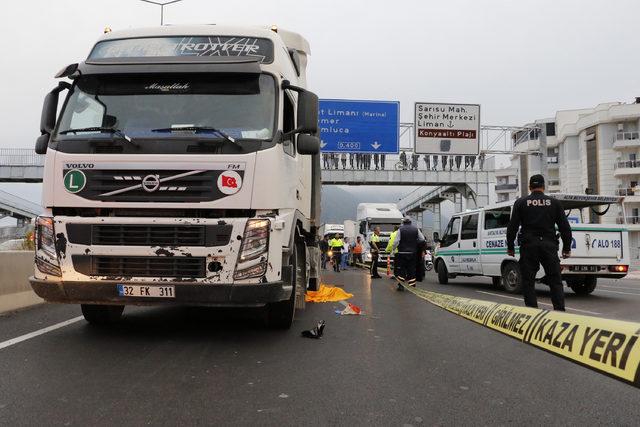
(46, 256)
(255, 243)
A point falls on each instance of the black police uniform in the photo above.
(407, 241)
(537, 215)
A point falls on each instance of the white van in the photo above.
(474, 244)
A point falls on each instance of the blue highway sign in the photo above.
(359, 126)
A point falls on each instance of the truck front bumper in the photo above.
(186, 293)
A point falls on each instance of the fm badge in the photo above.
(229, 182)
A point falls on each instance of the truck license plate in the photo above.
(146, 291)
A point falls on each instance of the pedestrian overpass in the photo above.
(20, 165)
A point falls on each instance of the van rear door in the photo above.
(596, 244)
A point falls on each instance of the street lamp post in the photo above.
(162, 5)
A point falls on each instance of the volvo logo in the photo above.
(150, 183)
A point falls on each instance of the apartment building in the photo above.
(537, 148)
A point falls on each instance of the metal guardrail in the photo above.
(20, 157)
(628, 164)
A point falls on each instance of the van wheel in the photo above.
(496, 281)
(586, 287)
(512, 278)
(280, 314)
(101, 314)
(443, 273)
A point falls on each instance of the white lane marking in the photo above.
(616, 292)
(42, 331)
(541, 303)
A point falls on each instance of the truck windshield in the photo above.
(170, 108)
(384, 227)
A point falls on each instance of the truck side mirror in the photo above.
(307, 112)
(48, 116)
(42, 142)
(308, 144)
(436, 237)
(363, 231)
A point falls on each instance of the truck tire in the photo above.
(280, 314)
(101, 314)
(443, 273)
(496, 281)
(584, 287)
(512, 278)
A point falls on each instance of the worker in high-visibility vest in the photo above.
(375, 252)
(336, 245)
(389, 248)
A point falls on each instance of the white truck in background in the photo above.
(183, 168)
(383, 215)
(474, 244)
(330, 230)
(350, 230)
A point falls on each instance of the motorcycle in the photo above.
(428, 261)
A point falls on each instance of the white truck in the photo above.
(372, 215)
(183, 168)
(474, 244)
(330, 230)
(350, 229)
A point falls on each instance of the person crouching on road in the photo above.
(375, 252)
(537, 215)
(336, 247)
(407, 240)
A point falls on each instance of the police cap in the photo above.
(536, 181)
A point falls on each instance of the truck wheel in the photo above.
(101, 314)
(443, 273)
(585, 288)
(280, 314)
(511, 278)
(496, 281)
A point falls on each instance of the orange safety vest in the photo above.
(357, 249)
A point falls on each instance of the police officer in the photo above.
(336, 245)
(407, 240)
(375, 251)
(537, 215)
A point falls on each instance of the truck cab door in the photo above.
(449, 249)
(469, 246)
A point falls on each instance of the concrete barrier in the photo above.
(15, 291)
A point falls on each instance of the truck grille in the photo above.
(118, 266)
(149, 235)
(143, 235)
(152, 185)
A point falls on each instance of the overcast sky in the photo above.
(520, 59)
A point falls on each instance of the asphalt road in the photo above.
(405, 362)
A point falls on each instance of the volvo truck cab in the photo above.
(182, 168)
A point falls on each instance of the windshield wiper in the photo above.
(113, 131)
(217, 131)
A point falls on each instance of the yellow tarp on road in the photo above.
(327, 294)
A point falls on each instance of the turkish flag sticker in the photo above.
(229, 182)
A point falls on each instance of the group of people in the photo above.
(407, 161)
(340, 252)
(411, 161)
(354, 161)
